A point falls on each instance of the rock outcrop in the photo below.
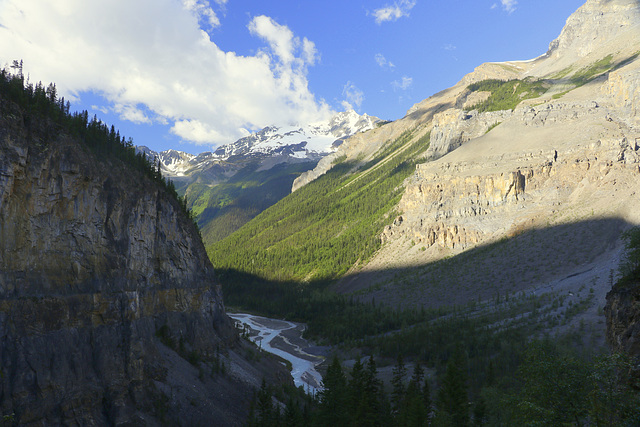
(454, 127)
(105, 290)
(623, 319)
(461, 201)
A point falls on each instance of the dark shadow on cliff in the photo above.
(527, 262)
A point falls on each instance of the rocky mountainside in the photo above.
(530, 176)
(565, 155)
(623, 320)
(598, 29)
(110, 312)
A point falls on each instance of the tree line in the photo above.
(47, 115)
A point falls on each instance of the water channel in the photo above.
(284, 339)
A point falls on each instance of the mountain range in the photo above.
(228, 187)
(270, 146)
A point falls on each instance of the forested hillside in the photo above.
(223, 208)
(322, 230)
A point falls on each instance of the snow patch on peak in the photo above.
(309, 141)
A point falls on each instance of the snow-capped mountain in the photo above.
(172, 162)
(307, 142)
(289, 143)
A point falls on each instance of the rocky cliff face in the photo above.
(549, 155)
(105, 289)
(623, 319)
(595, 24)
(458, 204)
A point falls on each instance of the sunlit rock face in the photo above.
(95, 260)
(596, 23)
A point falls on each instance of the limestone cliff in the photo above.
(549, 155)
(553, 178)
(105, 289)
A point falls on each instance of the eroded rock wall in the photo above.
(95, 260)
(457, 204)
(623, 319)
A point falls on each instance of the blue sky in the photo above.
(194, 74)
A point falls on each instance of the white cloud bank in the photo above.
(155, 54)
(394, 12)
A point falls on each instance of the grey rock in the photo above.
(105, 290)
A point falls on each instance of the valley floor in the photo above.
(284, 339)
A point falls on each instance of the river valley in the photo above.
(284, 339)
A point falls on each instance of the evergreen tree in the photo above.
(292, 414)
(453, 401)
(397, 382)
(555, 387)
(418, 373)
(426, 396)
(479, 412)
(414, 413)
(356, 386)
(265, 407)
(333, 398)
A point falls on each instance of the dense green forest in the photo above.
(326, 227)
(551, 387)
(48, 116)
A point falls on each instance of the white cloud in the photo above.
(203, 11)
(353, 96)
(131, 113)
(103, 110)
(509, 5)
(402, 84)
(394, 12)
(153, 61)
(449, 47)
(279, 37)
(197, 131)
(382, 61)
